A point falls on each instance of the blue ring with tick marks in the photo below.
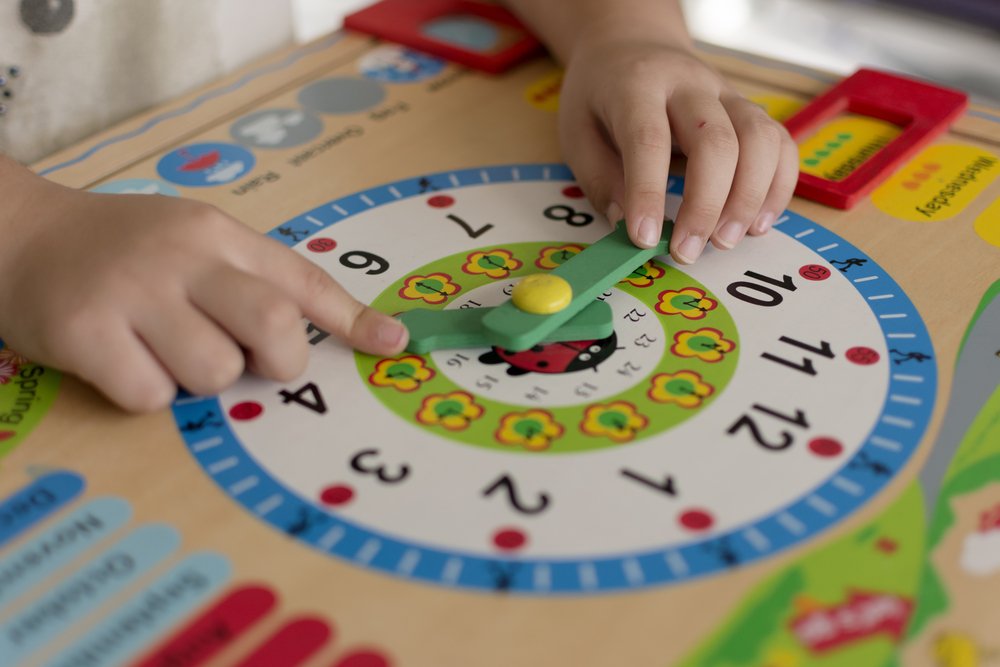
(894, 438)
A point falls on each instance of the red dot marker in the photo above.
(886, 545)
(696, 520)
(441, 201)
(814, 272)
(825, 447)
(321, 244)
(246, 410)
(363, 658)
(911, 185)
(862, 356)
(338, 494)
(572, 192)
(509, 539)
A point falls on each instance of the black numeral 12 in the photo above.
(749, 422)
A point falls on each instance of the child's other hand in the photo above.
(625, 101)
(136, 294)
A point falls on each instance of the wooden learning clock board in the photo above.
(786, 454)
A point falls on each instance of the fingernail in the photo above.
(390, 332)
(614, 213)
(730, 234)
(648, 233)
(764, 222)
(690, 249)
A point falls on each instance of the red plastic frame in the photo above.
(401, 21)
(921, 109)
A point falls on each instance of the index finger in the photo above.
(707, 137)
(642, 134)
(326, 303)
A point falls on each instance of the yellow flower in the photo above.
(956, 649)
(684, 388)
(534, 429)
(553, 256)
(645, 275)
(434, 288)
(403, 373)
(493, 263)
(781, 658)
(707, 344)
(619, 421)
(689, 302)
(454, 411)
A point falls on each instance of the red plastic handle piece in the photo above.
(921, 110)
(402, 21)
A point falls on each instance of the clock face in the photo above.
(742, 405)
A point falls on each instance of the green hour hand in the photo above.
(463, 327)
(589, 273)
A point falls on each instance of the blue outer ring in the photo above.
(893, 440)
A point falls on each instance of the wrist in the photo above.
(612, 30)
(567, 25)
(23, 196)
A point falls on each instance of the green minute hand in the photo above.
(589, 273)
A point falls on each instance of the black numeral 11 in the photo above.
(806, 364)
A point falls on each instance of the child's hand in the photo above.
(136, 294)
(624, 101)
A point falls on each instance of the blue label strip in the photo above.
(85, 590)
(30, 565)
(150, 614)
(36, 501)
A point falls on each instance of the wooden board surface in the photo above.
(455, 120)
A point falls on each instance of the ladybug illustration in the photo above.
(554, 357)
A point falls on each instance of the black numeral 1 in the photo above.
(665, 485)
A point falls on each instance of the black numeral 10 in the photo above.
(762, 292)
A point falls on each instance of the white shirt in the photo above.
(83, 65)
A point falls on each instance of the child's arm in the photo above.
(136, 293)
(633, 86)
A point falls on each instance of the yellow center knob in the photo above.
(542, 294)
